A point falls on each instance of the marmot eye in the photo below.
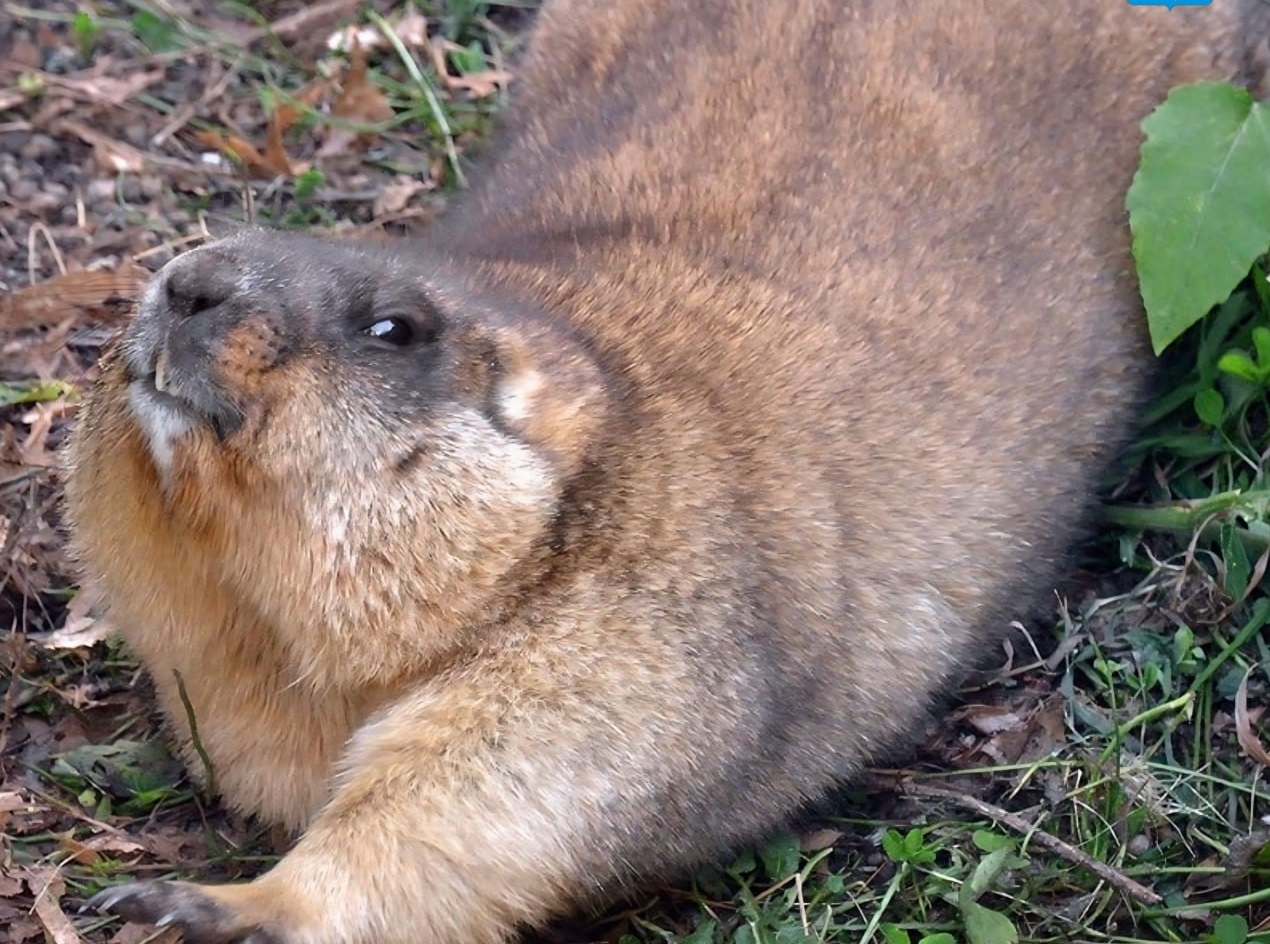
(393, 330)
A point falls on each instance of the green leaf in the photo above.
(1235, 556)
(913, 842)
(894, 934)
(36, 392)
(988, 841)
(1238, 364)
(942, 937)
(307, 182)
(985, 926)
(156, 33)
(1210, 406)
(126, 770)
(470, 59)
(1230, 929)
(893, 846)
(1261, 340)
(985, 874)
(703, 933)
(780, 856)
(1199, 206)
(744, 863)
(1183, 642)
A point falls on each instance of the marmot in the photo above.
(766, 373)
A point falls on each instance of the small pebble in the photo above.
(23, 189)
(40, 146)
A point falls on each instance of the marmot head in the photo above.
(364, 448)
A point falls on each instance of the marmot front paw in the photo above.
(201, 917)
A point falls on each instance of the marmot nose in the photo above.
(198, 282)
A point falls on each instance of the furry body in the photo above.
(765, 375)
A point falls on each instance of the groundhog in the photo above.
(764, 376)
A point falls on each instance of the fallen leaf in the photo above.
(479, 84)
(349, 37)
(57, 927)
(241, 151)
(359, 100)
(82, 632)
(820, 839)
(144, 934)
(111, 155)
(293, 107)
(1248, 740)
(98, 294)
(394, 197)
(12, 802)
(87, 853)
(107, 89)
(412, 29)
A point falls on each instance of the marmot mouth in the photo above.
(159, 377)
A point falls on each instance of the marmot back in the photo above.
(763, 378)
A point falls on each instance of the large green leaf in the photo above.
(1199, 206)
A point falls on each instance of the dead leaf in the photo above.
(1248, 740)
(396, 195)
(99, 295)
(12, 802)
(359, 100)
(293, 107)
(57, 927)
(412, 29)
(351, 37)
(87, 853)
(820, 839)
(33, 450)
(144, 934)
(111, 155)
(106, 89)
(479, 84)
(275, 154)
(10, 886)
(241, 151)
(82, 632)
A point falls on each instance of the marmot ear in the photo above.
(549, 392)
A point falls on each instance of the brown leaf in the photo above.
(309, 96)
(111, 155)
(359, 100)
(479, 84)
(81, 630)
(243, 152)
(394, 197)
(104, 88)
(275, 154)
(412, 29)
(98, 294)
(144, 934)
(1248, 740)
(820, 839)
(57, 927)
(9, 885)
(87, 853)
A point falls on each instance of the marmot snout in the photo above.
(762, 380)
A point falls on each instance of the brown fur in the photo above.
(764, 377)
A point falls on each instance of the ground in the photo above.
(1104, 785)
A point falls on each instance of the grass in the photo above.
(1098, 794)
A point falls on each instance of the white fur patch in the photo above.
(516, 397)
(162, 423)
